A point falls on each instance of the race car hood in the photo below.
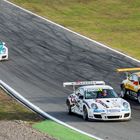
(108, 103)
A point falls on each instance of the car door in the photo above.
(80, 100)
(77, 103)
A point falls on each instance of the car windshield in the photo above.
(1, 46)
(104, 93)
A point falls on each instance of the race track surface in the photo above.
(42, 56)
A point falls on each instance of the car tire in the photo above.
(123, 91)
(85, 114)
(68, 107)
(138, 97)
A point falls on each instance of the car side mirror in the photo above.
(81, 97)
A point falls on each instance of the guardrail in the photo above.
(10, 91)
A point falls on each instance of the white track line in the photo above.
(102, 45)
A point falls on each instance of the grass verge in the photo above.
(115, 23)
(59, 132)
(10, 109)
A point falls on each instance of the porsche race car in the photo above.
(130, 87)
(97, 101)
(3, 51)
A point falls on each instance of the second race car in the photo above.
(3, 51)
(130, 86)
(95, 100)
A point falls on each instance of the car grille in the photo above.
(113, 117)
(97, 116)
(4, 56)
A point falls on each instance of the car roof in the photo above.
(96, 87)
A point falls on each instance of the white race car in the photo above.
(3, 51)
(95, 100)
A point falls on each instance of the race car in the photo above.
(97, 101)
(130, 87)
(3, 51)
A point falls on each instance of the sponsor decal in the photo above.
(102, 103)
(98, 110)
(98, 101)
(73, 99)
(89, 82)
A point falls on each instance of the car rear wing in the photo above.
(128, 69)
(78, 83)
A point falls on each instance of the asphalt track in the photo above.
(42, 56)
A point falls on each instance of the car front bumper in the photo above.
(3, 56)
(111, 116)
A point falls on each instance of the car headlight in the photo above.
(125, 105)
(94, 106)
(4, 50)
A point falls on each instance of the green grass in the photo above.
(59, 132)
(10, 109)
(115, 23)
